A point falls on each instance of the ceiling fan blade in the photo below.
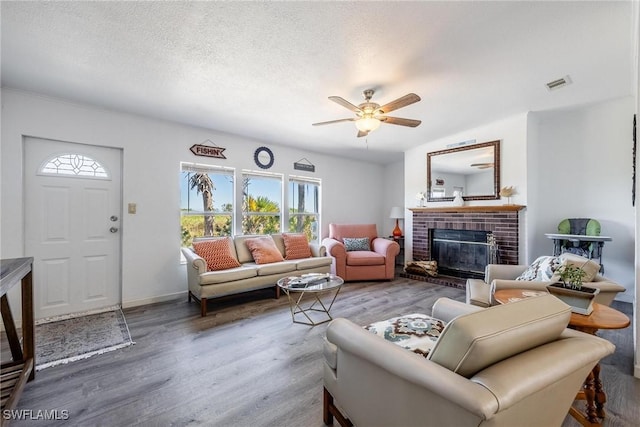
(361, 134)
(346, 104)
(334, 121)
(399, 103)
(400, 121)
(482, 165)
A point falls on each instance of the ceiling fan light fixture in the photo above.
(367, 124)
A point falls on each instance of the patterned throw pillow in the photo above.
(356, 244)
(264, 250)
(541, 270)
(415, 332)
(217, 253)
(296, 246)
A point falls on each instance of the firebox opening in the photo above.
(462, 253)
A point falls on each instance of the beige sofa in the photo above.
(499, 276)
(508, 365)
(205, 285)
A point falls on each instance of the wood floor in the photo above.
(247, 364)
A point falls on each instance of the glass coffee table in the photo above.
(315, 284)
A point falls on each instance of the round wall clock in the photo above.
(263, 157)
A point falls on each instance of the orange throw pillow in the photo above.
(296, 246)
(264, 250)
(217, 253)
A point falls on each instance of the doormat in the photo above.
(76, 338)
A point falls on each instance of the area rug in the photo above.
(76, 338)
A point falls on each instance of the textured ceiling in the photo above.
(265, 69)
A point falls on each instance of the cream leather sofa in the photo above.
(508, 365)
(205, 285)
(499, 276)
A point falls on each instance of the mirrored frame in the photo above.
(472, 169)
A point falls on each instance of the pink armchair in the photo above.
(376, 263)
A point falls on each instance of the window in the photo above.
(206, 205)
(74, 165)
(261, 202)
(304, 206)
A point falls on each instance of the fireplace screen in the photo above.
(462, 253)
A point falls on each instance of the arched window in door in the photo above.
(71, 165)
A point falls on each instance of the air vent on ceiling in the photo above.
(557, 84)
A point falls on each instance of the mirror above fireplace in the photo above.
(473, 170)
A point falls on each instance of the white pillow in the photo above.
(542, 269)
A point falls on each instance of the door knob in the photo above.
(113, 229)
(113, 218)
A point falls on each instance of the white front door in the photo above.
(72, 225)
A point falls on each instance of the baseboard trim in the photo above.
(624, 298)
(153, 300)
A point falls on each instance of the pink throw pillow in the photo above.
(217, 253)
(264, 250)
(296, 246)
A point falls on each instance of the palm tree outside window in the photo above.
(206, 205)
(304, 206)
(261, 203)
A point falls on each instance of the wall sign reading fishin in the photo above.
(208, 151)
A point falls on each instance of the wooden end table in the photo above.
(602, 317)
(21, 369)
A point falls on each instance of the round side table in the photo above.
(602, 317)
(323, 284)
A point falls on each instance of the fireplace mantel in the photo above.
(465, 209)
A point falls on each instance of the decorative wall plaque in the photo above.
(308, 166)
(263, 157)
(208, 150)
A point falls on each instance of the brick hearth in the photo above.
(502, 221)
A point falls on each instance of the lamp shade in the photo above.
(396, 213)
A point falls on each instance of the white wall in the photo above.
(581, 166)
(393, 195)
(512, 133)
(152, 152)
(451, 180)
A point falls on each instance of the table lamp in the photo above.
(397, 213)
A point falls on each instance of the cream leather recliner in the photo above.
(500, 276)
(508, 365)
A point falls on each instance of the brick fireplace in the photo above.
(502, 221)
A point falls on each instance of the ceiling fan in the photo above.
(369, 115)
(482, 165)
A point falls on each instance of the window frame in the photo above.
(241, 198)
(215, 170)
(299, 179)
